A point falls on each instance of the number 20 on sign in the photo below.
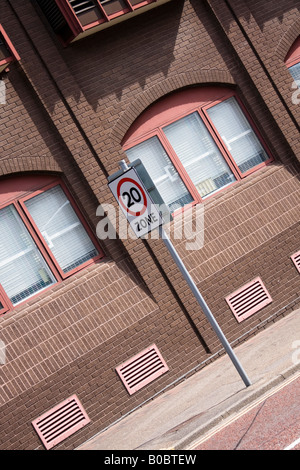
(135, 202)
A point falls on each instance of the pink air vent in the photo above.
(249, 299)
(60, 422)
(296, 260)
(142, 369)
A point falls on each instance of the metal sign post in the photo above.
(204, 306)
(135, 202)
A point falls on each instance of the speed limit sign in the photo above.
(135, 202)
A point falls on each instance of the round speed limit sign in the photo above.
(132, 197)
(135, 202)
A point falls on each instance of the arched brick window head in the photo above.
(43, 238)
(195, 143)
(292, 60)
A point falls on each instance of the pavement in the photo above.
(185, 413)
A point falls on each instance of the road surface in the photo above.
(271, 423)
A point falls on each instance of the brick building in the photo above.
(205, 93)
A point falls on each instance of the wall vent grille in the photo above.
(249, 299)
(296, 260)
(60, 422)
(142, 369)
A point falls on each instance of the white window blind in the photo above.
(237, 134)
(61, 228)
(295, 72)
(82, 6)
(199, 154)
(23, 271)
(160, 168)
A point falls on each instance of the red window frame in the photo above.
(5, 302)
(176, 162)
(170, 110)
(13, 53)
(22, 202)
(74, 21)
(293, 56)
(241, 175)
(18, 201)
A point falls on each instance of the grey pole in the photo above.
(204, 306)
(123, 165)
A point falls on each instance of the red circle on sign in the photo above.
(129, 180)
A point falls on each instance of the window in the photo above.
(196, 143)
(160, 167)
(88, 11)
(43, 240)
(7, 51)
(23, 271)
(71, 19)
(292, 61)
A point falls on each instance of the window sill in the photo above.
(255, 177)
(44, 297)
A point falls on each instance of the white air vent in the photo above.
(249, 299)
(142, 369)
(60, 422)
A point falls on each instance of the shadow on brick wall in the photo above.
(104, 66)
(247, 90)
